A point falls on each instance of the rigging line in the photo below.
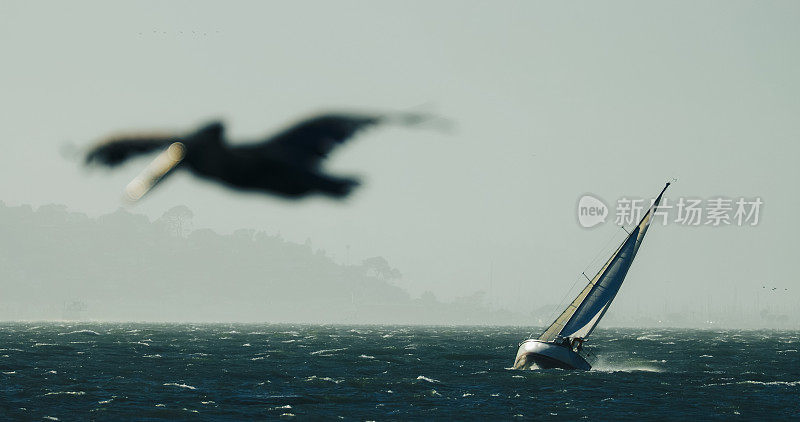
(605, 249)
(560, 303)
(593, 262)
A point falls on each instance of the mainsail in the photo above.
(583, 314)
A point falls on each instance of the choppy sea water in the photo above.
(244, 372)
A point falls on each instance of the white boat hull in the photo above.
(537, 354)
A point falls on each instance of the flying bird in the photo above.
(287, 164)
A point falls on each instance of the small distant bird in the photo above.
(286, 164)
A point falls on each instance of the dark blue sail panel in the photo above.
(586, 310)
(603, 292)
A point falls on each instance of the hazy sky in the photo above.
(551, 101)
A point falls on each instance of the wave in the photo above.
(65, 393)
(604, 366)
(85, 332)
(175, 384)
(649, 337)
(325, 352)
(327, 379)
(431, 380)
(782, 383)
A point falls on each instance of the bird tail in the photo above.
(339, 188)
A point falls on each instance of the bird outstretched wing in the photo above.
(310, 141)
(116, 150)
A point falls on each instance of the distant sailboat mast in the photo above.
(584, 313)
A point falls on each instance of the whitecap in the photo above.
(88, 332)
(752, 382)
(706, 356)
(424, 378)
(51, 418)
(366, 357)
(324, 352)
(785, 383)
(175, 384)
(328, 379)
(602, 366)
(648, 337)
(66, 393)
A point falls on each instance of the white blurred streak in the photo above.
(157, 169)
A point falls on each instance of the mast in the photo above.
(584, 313)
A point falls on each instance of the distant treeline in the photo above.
(123, 266)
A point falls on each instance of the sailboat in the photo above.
(561, 344)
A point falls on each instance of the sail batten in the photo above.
(585, 311)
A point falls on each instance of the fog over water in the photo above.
(549, 103)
